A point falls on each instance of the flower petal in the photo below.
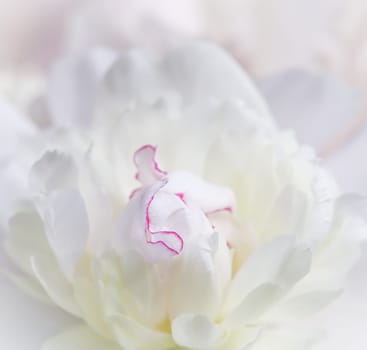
(53, 171)
(197, 332)
(29, 249)
(180, 76)
(148, 170)
(59, 290)
(196, 285)
(15, 130)
(287, 338)
(73, 87)
(79, 338)
(146, 288)
(197, 72)
(25, 323)
(54, 180)
(318, 106)
(278, 262)
(67, 228)
(134, 335)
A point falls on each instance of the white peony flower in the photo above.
(174, 214)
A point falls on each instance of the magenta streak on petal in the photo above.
(158, 173)
(148, 230)
(228, 209)
(181, 195)
(134, 192)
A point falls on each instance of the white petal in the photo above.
(207, 196)
(79, 338)
(202, 71)
(134, 335)
(302, 306)
(333, 261)
(73, 86)
(146, 287)
(196, 74)
(53, 171)
(196, 332)
(346, 164)
(196, 288)
(258, 269)
(28, 247)
(67, 227)
(286, 214)
(278, 262)
(287, 338)
(133, 77)
(145, 217)
(54, 283)
(15, 132)
(54, 180)
(27, 238)
(254, 305)
(318, 107)
(13, 127)
(344, 323)
(26, 323)
(86, 289)
(148, 170)
(332, 105)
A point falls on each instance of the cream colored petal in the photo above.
(133, 335)
(272, 271)
(146, 288)
(194, 287)
(29, 249)
(27, 238)
(79, 338)
(197, 332)
(287, 338)
(341, 250)
(57, 287)
(261, 267)
(302, 306)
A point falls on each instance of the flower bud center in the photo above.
(175, 205)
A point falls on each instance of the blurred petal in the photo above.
(290, 338)
(53, 171)
(73, 86)
(25, 323)
(67, 228)
(193, 75)
(345, 321)
(14, 127)
(316, 106)
(15, 130)
(348, 166)
(320, 108)
(79, 338)
(204, 70)
(54, 180)
(29, 249)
